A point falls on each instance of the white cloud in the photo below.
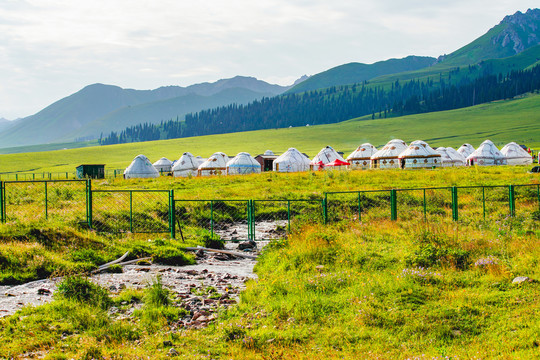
(51, 48)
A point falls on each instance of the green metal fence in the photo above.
(157, 211)
(66, 175)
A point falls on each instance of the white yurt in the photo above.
(387, 157)
(200, 159)
(361, 157)
(325, 156)
(214, 165)
(291, 160)
(186, 166)
(268, 153)
(450, 157)
(487, 154)
(516, 155)
(419, 155)
(243, 163)
(465, 150)
(140, 167)
(163, 165)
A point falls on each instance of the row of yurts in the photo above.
(395, 154)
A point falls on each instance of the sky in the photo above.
(50, 49)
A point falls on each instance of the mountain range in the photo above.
(512, 44)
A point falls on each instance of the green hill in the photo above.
(357, 73)
(502, 122)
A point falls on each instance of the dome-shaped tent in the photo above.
(187, 165)
(291, 160)
(387, 157)
(516, 155)
(200, 159)
(465, 150)
(419, 155)
(450, 157)
(361, 157)
(140, 167)
(325, 156)
(163, 165)
(269, 152)
(214, 165)
(487, 154)
(243, 164)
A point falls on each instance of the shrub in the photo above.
(80, 289)
(157, 294)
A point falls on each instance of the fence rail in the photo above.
(157, 211)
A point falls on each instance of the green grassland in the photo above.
(346, 290)
(504, 121)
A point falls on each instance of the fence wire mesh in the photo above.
(140, 211)
(27, 201)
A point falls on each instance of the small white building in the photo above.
(516, 155)
(387, 157)
(465, 150)
(214, 165)
(325, 156)
(361, 157)
(419, 155)
(186, 166)
(140, 168)
(163, 165)
(487, 154)
(450, 157)
(242, 164)
(291, 160)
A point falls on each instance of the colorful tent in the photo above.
(337, 165)
(163, 165)
(516, 155)
(291, 160)
(140, 167)
(186, 166)
(419, 155)
(214, 165)
(487, 154)
(361, 157)
(243, 164)
(326, 155)
(387, 157)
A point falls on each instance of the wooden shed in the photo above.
(93, 171)
(266, 160)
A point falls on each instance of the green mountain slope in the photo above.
(502, 122)
(158, 111)
(357, 73)
(63, 120)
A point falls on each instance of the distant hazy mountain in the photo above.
(513, 35)
(65, 119)
(5, 123)
(356, 72)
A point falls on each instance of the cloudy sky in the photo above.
(52, 48)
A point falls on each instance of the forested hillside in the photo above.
(337, 104)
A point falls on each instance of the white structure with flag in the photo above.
(291, 160)
(516, 155)
(325, 156)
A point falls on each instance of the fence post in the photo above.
(289, 216)
(172, 214)
(2, 218)
(455, 203)
(325, 208)
(484, 201)
(131, 212)
(212, 218)
(252, 220)
(393, 205)
(538, 194)
(46, 200)
(359, 208)
(248, 205)
(89, 202)
(512, 200)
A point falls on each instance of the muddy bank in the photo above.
(214, 281)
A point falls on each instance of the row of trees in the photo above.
(337, 104)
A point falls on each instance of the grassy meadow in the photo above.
(513, 120)
(377, 289)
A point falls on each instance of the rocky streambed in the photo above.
(202, 289)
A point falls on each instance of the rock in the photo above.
(522, 279)
(113, 288)
(222, 257)
(167, 343)
(172, 352)
(192, 272)
(199, 253)
(202, 319)
(122, 286)
(43, 291)
(247, 245)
